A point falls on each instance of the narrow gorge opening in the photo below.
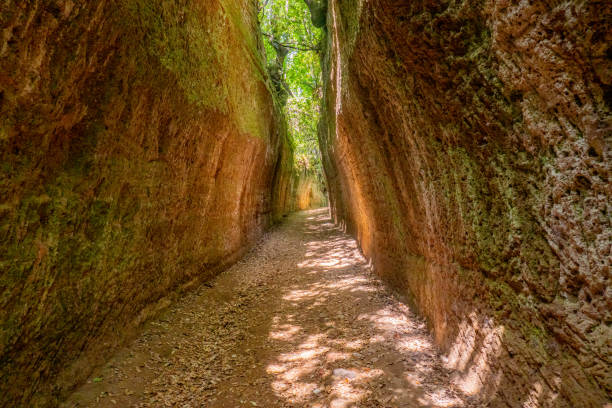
(293, 47)
(305, 203)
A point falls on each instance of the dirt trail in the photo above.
(299, 322)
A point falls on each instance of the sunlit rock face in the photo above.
(141, 153)
(467, 146)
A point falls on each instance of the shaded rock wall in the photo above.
(133, 166)
(284, 193)
(467, 146)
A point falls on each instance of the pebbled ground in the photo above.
(299, 322)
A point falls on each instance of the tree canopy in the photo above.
(292, 43)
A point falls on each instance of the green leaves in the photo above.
(288, 23)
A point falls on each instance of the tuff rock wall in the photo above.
(309, 193)
(467, 146)
(132, 167)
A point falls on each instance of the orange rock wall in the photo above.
(467, 146)
(141, 153)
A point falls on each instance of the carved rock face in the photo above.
(133, 162)
(467, 146)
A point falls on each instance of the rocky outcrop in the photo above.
(467, 146)
(133, 167)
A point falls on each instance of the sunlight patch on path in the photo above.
(300, 322)
(344, 341)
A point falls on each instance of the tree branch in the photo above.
(297, 47)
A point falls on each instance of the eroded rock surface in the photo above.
(467, 146)
(141, 153)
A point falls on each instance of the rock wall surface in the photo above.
(133, 166)
(309, 193)
(467, 146)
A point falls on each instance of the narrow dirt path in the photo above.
(299, 322)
